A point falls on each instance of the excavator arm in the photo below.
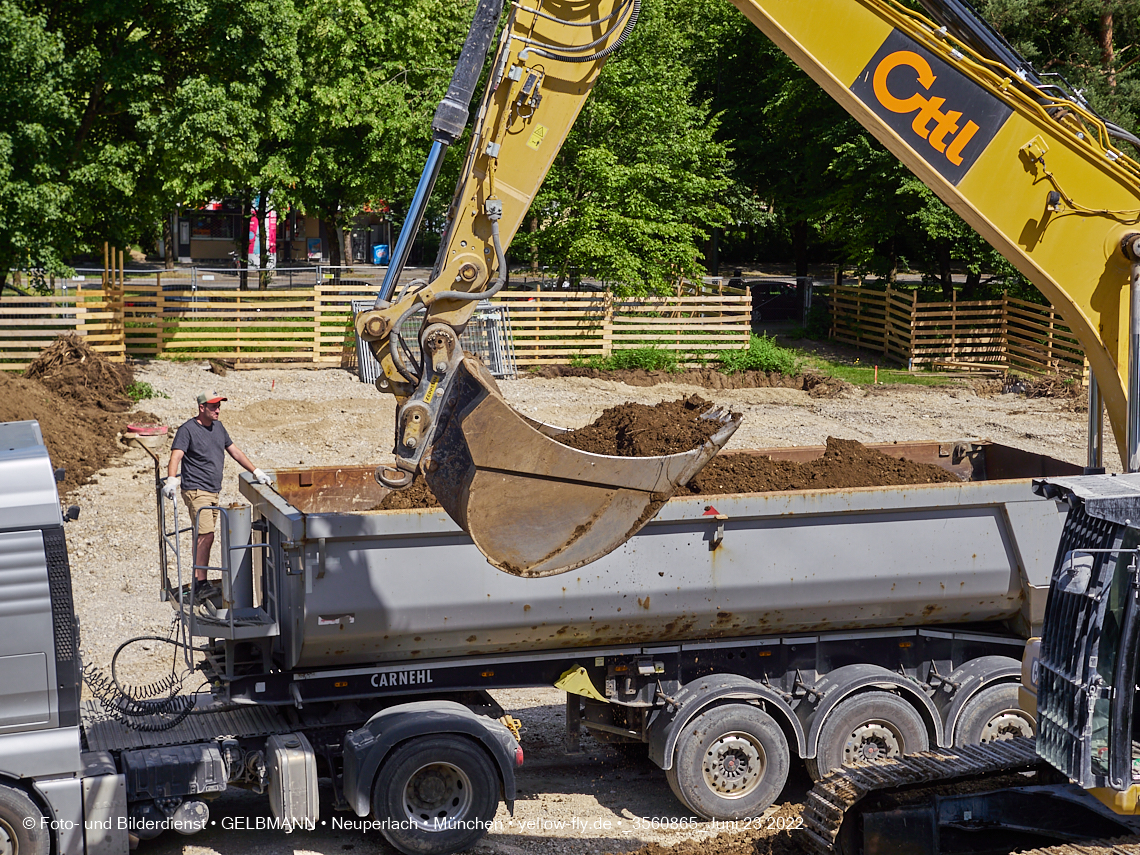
(533, 506)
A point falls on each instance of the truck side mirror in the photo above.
(72, 513)
(60, 474)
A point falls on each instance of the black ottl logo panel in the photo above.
(940, 113)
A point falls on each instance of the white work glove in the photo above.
(261, 478)
(171, 486)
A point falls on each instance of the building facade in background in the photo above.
(210, 235)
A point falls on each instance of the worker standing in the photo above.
(198, 449)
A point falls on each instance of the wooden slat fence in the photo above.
(29, 324)
(874, 320)
(554, 329)
(1006, 333)
(166, 316)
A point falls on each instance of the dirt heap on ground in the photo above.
(79, 400)
(816, 385)
(846, 463)
(646, 430)
(70, 369)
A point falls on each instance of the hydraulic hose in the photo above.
(412, 374)
(963, 22)
(496, 286)
(447, 125)
(630, 23)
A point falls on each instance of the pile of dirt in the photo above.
(845, 464)
(70, 368)
(708, 378)
(1069, 391)
(79, 400)
(646, 430)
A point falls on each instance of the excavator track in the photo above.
(830, 801)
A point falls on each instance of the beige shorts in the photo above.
(197, 499)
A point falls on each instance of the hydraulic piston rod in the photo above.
(1131, 247)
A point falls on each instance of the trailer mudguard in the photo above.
(366, 747)
(965, 682)
(695, 697)
(841, 683)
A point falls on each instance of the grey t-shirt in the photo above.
(204, 450)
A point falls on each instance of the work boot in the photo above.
(205, 590)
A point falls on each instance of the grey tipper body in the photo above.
(408, 585)
(819, 606)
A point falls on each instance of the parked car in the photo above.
(773, 300)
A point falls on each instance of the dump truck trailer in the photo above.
(857, 623)
(358, 648)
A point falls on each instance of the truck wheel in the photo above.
(440, 792)
(731, 763)
(15, 837)
(993, 715)
(868, 727)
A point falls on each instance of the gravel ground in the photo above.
(601, 800)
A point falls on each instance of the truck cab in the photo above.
(42, 765)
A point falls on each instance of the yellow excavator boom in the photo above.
(1033, 172)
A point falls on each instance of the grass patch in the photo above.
(762, 354)
(864, 375)
(141, 391)
(644, 358)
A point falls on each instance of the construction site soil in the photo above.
(646, 430)
(818, 385)
(80, 401)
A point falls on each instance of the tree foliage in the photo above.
(371, 78)
(113, 113)
(36, 121)
(1092, 44)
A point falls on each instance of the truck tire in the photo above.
(993, 715)
(731, 763)
(871, 726)
(441, 793)
(15, 837)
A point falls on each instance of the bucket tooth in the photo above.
(533, 506)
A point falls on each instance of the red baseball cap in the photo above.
(207, 398)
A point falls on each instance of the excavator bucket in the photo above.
(533, 506)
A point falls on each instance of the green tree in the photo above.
(635, 190)
(218, 125)
(372, 76)
(782, 129)
(119, 110)
(36, 121)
